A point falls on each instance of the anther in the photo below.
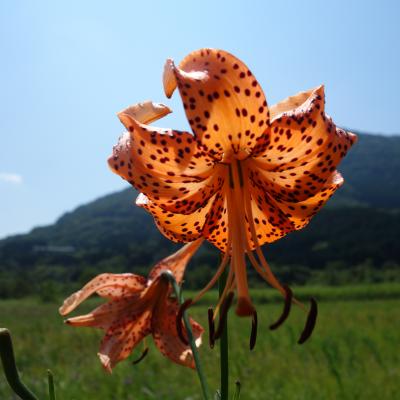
(310, 323)
(286, 308)
(143, 355)
(179, 326)
(226, 304)
(253, 335)
(211, 328)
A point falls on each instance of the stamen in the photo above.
(224, 314)
(269, 276)
(286, 309)
(179, 325)
(214, 279)
(229, 285)
(310, 323)
(211, 328)
(253, 335)
(143, 355)
(255, 264)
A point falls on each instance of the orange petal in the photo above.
(270, 221)
(123, 336)
(166, 336)
(303, 149)
(300, 213)
(176, 227)
(224, 103)
(106, 285)
(216, 226)
(145, 112)
(169, 80)
(177, 262)
(168, 166)
(208, 222)
(106, 314)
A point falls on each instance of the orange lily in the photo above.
(248, 174)
(137, 307)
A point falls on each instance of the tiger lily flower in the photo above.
(137, 307)
(248, 174)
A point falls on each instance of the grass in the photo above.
(353, 353)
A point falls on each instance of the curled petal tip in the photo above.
(141, 200)
(169, 78)
(319, 92)
(70, 303)
(106, 362)
(145, 112)
(353, 137)
(126, 120)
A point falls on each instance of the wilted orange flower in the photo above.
(136, 308)
(247, 175)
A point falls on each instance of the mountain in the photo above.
(370, 170)
(359, 227)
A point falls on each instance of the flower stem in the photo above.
(224, 365)
(199, 368)
(10, 369)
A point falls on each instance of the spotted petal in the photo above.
(170, 167)
(224, 103)
(270, 222)
(106, 314)
(122, 337)
(300, 213)
(302, 151)
(208, 222)
(177, 262)
(113, 286)
(166, 336)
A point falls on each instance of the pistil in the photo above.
(236, 224)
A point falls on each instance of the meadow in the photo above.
(353, 353)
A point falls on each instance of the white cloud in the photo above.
(10, 178)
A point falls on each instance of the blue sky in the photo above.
(68, 66)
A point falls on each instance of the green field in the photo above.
(353, 354)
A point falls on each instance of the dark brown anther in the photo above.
(286, 308)
(211, 328)
(253, 335)
(310, 323)
(143, 355)
(223, 314)
(179, 325)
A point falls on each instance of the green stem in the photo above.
(223, 348)
(178, 293)
(52, 392)
(10, 369)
